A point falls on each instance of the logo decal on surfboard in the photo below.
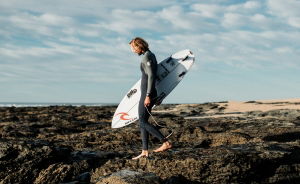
(123, 114)
(132, 120)
(185, 58)
(182, 74)
(132, 92)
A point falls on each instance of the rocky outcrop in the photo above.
(129, 177)
(67, 144)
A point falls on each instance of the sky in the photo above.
(77, 51)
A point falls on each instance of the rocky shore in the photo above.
(213, 143)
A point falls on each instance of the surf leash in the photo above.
(160, 125)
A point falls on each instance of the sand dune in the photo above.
(261, 105)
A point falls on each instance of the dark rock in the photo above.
(285, 137)
(130, 177)
(179, 180)
(84, 177)
(7, 151)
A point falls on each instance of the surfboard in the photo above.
(170, 72)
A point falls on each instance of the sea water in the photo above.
(45, 104)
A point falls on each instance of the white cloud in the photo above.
(243, 15)
(284, 50)
(176, 16)
(23, 23)
(208, 10)
(257, 22)
(294, 21)
(288, 11)
(99, 8)
(243, 49)
(252, 5)
(125, 21)
(281, 8)
(259, 18)
(246, 7)
(234, 20)
(52, 19)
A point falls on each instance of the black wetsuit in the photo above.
(148, 69)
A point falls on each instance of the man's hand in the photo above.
(147, 101)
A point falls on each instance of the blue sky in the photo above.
(77, 51)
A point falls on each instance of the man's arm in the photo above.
(150, 71)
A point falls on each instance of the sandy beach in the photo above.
(216, 142)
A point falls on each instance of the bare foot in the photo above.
(143, 154)
(165, 146)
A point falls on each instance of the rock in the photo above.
(177, 180)
(67, 144)
(7, 151)
(55, 173)
(72, 182)
(84, 177)
(130, 177)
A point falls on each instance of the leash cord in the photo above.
(160, 125)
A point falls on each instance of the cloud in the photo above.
(176, 16)
(42, 24)
(294, 21)
(98, 8)
(126, 21)
(246, 8)
(208, 10)
(243, 49)
(287, 10)
(234, 20)
(284, 9)
(96, 34)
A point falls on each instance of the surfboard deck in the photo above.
(170, 72)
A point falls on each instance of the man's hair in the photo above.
(140, 43)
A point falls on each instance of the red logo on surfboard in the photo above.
(123, 114)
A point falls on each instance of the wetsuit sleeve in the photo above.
(149, 67)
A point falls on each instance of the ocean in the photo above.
(45, 104)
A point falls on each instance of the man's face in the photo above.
(134, 49)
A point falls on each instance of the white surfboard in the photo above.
(170, 72)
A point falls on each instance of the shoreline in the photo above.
(78, 104)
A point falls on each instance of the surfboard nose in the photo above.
(114, 124)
